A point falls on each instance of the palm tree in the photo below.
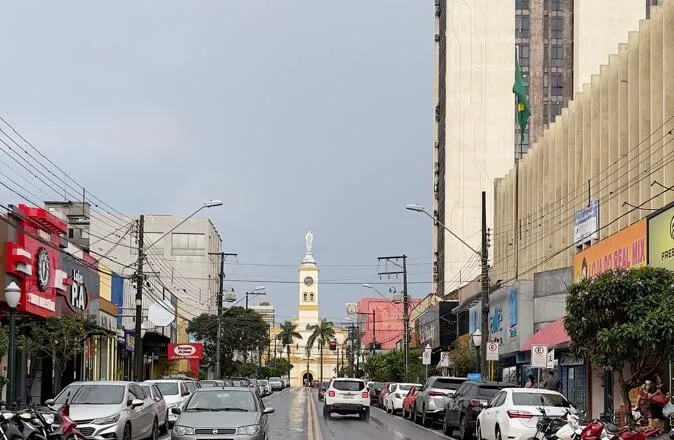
(287, 335)
(322, 332)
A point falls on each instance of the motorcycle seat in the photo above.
(612, 428)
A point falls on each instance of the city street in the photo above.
(298, 416)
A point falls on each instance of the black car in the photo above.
(375, 389)
(464, 406)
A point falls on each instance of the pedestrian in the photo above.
(659, 396)
(551, 382)
(530, 381)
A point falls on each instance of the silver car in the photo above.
(115, 410)
(161, 407)
(217, 412)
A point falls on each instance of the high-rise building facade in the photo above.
(560, 44)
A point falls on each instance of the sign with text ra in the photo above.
(193, 350)
(539, 356)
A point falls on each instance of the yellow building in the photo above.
(306, 364)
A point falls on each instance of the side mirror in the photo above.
(176, 410)
(135, 403)
(49, 402)
(268, 410)
(485, 404)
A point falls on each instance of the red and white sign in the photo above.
(193, 350)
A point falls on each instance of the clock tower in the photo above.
(308, 286)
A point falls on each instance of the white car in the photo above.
(393, 401)
(512, 413)
(175, 392)
(347, 396)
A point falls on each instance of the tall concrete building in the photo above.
(560, 44)
(267, 311)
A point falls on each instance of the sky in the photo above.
(298, 114)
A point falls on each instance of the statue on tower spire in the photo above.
(308, 255)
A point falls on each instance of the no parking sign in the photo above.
(539, 356)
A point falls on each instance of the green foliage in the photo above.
(390, 366)
(277, 367)
(242, 330)
(287, 335)
(623, 318)
(4, 343)
(463, 358)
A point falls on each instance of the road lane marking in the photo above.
(417, 426)
(310, 420)
(314, 415)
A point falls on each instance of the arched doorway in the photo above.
(307, 376)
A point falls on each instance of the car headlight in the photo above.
(248, 430)
(49, 418)
(106, 420)
(183, 430)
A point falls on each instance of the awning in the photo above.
(552, 335)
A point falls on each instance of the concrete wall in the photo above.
(616, 135)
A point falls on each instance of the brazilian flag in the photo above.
(523, 110)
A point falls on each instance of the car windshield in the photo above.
(168, 388)
(92, 394)
(274, 379)
(222, 400)
(540, 399)
(486, 392)
(348, 385)
(447, 384)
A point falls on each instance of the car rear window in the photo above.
(486, 391)
(375, 385)
(348, 385)
(447, 384)
(540, 399)
(406, 386)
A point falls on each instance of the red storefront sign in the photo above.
(33, 257)
(193, 350)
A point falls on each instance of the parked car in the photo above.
(393, 402)
(316, 383)
(240, 382)
(210, 383)
(375, 389)
(409, 402)
(276, 384)
(466, 404)
(110, 409)
(431, 400)
(161, 408)
(385, 389)
(286, 383)
(232, 412)
(175, 392)
(514, 412)
(265, 388)
(323, 389)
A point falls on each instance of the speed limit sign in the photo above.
(492, 351)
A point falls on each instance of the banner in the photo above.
(194, 350)
(661, 239)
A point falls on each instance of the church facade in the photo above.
(305, 362)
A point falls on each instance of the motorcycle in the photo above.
(547, 427)
(572, 429)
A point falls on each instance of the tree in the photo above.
(321, 332)
(60, 338)
(623, 318)
(463, 358)
(390, 366)
(287, 335)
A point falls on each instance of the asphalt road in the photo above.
(298, 416)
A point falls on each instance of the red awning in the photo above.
(551, 335)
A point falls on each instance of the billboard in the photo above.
(661, 239)
(624, 249)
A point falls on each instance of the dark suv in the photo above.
(466, 403)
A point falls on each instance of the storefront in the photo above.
(511, 312)
(625, 249)
(106, 360)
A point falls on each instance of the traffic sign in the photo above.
(492, 351)
(426, 356)
(539, 356)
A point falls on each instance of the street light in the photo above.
(259, 290)
(12, 297)
(418, 208)
(477, 341)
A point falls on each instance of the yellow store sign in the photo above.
(661, 239)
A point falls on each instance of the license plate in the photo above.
(348, 396)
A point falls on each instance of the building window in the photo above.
(555, 110)
(557, 55)
(522, 29)
(187, 244)
(556, 5)
(84, 233)
(311, 297)
(71, 233)
(557, 84)
(521, 4)
(524, 55)
(305, 296)
(557, 25)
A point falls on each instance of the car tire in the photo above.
(165, 427)
(498, 435)
(154, 434)
(403, 414)
(426, 422)
(446, 429)
(326, 412)
(463, 428)
(365, 415)
(126, 435)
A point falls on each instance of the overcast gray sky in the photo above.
(298, 114)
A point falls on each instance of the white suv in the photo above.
(347, 396)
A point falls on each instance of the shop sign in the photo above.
(586, 224)
(193, 350)
(79, 286)
(661, 239)
(429, 330)
(106, 321)
(622, 250)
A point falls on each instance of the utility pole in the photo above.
(484, 257)
(223, 255)
(402, 270)
(140, 279)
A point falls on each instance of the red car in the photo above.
(408, 403)
(316, 384)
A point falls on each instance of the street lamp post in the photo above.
(477, 341)
(259, 290)
(12, 297)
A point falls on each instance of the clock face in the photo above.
(308, 281)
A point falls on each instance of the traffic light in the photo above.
(333, 345)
